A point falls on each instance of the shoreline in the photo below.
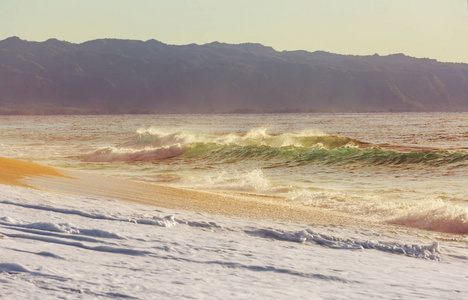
(32, 175)
(12, 171)
(230, 204)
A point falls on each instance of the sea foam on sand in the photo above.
(57, 244)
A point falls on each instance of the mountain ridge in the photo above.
(132, 76)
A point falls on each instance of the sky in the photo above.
(421, 28)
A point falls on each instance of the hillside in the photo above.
(128, 76)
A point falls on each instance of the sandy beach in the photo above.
(28, 174)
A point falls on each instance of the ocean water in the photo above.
(399, 173)
(409, 169)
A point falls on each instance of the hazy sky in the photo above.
(421, 28)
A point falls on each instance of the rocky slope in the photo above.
(129, 76)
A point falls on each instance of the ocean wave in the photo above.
(340, 156)
(254, 181)
(430, 214)
(258, 137)
(435, 215)
(287, 149)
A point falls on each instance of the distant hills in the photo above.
(129, 76)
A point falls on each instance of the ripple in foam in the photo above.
(430, 252)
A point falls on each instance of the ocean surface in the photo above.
(409, 169)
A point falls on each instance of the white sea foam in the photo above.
(168, 221)
(254, 181)
(157, 137)
(65, 228)
(12, 267)
(206, 256)
(431, 252)
(259, 136)
(47, 226)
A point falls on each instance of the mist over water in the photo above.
(407, 169)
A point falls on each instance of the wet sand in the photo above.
(14, 172)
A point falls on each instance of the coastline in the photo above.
(252, 206)
(229, 204)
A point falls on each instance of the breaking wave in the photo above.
(431, 214)
(254, 181)
(287, 149)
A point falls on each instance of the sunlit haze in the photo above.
(204, 166)
(421, 28)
